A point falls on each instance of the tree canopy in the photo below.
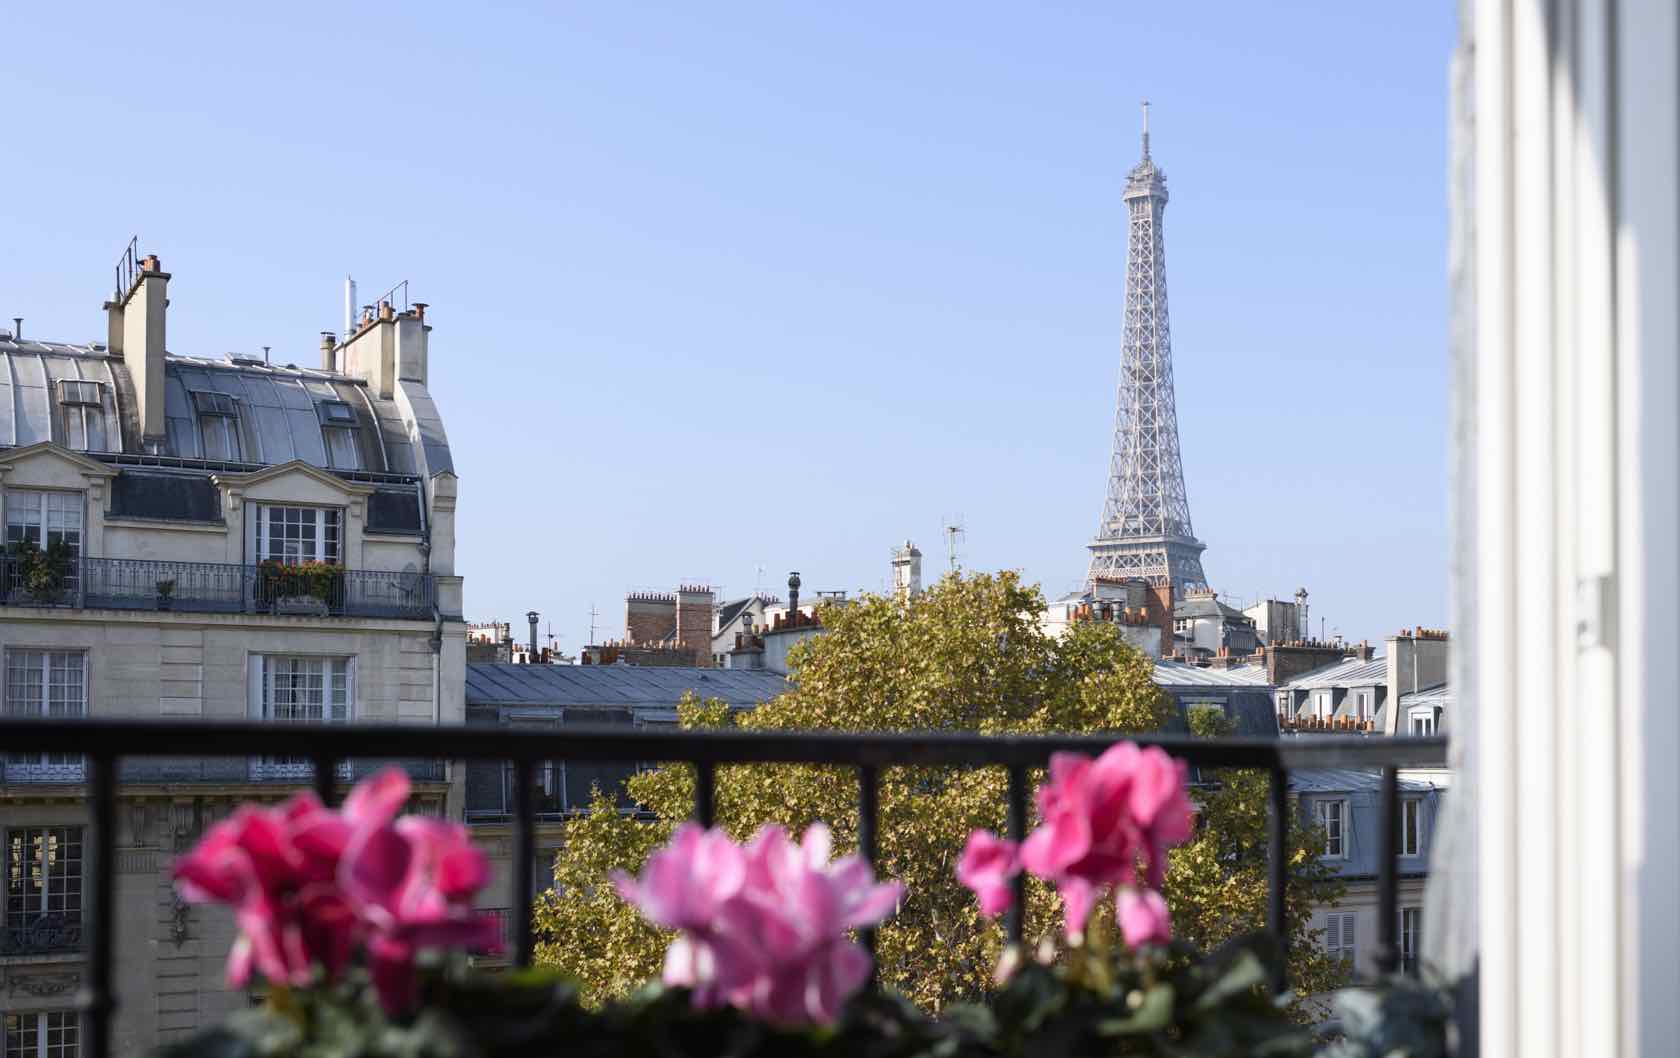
(968, 654)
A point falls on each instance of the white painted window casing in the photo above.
(43, 683)
(42, 1034)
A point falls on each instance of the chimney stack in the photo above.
(136, 332)
(329, 351)
(793, 594)
(531, 616)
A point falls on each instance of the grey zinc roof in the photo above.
(1440, 696)
(1349, 780)
(1178, 674)
(1347, 673)
(28, 403)
(499, 684)
(276, 408)
(1204, 607)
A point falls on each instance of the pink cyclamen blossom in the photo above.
(1143, 916)
(988, 866)
(411, 883)
(1101, 818)
(763, 928)
(290, 915)
(308, 884)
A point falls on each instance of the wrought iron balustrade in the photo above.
(41, 934)
(105, 741)
(222, 770)
(214, 587)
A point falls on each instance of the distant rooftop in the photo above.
(501, 684)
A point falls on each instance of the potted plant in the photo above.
(165, 594)
(361, 925)
(300, 587)
(41, 574)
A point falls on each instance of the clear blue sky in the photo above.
(718, 286)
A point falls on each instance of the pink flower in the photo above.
(988, 865)
(290, 916)
(1143, 917)
(411, 884)
(308, 884)
(762, 928)
(1100, 818)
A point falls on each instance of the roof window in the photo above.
(209, 403)
(336, 413)
(78, 391)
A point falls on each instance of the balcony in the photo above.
(212, 587)
(286, 771)
(49, 934)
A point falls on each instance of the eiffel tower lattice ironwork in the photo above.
(1145, 530)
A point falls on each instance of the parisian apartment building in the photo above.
(212, 538)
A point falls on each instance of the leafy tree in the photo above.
(969, 654)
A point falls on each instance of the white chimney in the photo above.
(136, 332)
(907, 571)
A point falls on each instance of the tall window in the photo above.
(44, 683)
(43, 1034)
(1411, 827)
(1332, 816)
(43, 889)
(1423, 723)
(1340, 936)
(298, 534)
(218, 424)
(1411, 922)
(1364, 700)
(44, 518)
(301, 690)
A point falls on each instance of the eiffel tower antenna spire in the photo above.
(1145, 530)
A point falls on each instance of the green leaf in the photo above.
(1241, 977)
(1151, 1012)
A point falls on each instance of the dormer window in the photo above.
(336, 412)
(82, 418)
(218, 423)
(338, 432)
(78, 391)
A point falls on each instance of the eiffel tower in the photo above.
(1145, 530)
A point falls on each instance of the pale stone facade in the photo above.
(189, 493)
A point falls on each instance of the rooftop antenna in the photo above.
(593, 613)
(1146, 130)
(955, 532)
(758, 584)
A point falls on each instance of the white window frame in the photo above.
(67, 1023)
(41, 503)
(322, 519)
(1410, 933)
(1335, 839)
(1341, 936)
(1421, 721)
(53, 662)
(264, 692)
(1411, 826)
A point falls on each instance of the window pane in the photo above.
(342, 452)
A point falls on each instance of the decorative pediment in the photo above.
(50, 465)
(294, 482)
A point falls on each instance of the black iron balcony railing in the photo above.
(267, 768)
(214, 587)
(105, 741)
(41, 934)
